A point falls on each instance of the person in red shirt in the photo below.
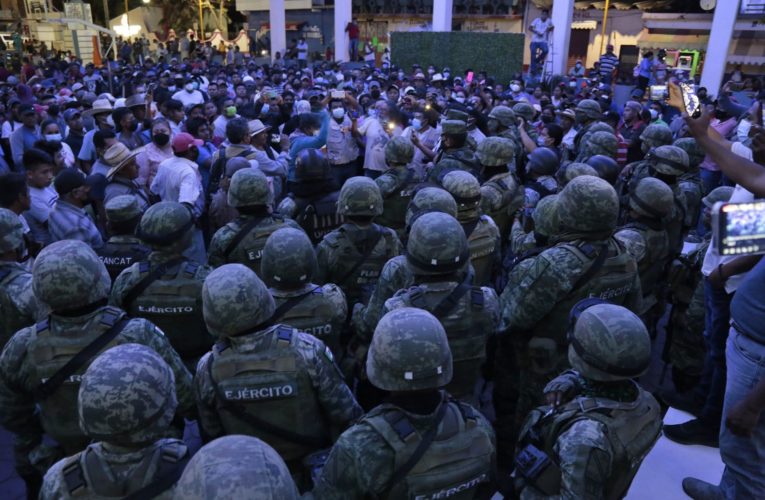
(353, 38)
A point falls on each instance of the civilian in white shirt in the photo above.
(189, 95)
(174, 114)
(424, 134)
(342, 148)
(178, 179)
(376, 130)
(39, 171)
(540, 29)
(227, 114)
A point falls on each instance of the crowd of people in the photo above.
(375, 282)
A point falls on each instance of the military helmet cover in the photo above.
(495, 151)
(11, 231)
(165, 224)
(249, 187)
(430, 199)
(360, 196)
(652, 198)
(289, 260)
(399, 151)
(437, 245)
(588, 205)
(504, 115)
(669, 160)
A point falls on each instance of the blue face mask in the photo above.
(372, 113)
(416, 123)
(264, 110)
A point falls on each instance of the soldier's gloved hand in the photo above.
(562, 389)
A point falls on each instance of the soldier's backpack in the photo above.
(9, 317)
(118, 256)
(318, 216)
(246, 247)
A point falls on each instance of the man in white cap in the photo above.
(101, 111)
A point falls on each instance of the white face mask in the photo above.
(52, 137)
(654, 114)
(338, 113)
(189, 87)
(265, 109)
(416, 123)
(459, 99)
(110, 120)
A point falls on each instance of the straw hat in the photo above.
(117, 157)
(99, 106)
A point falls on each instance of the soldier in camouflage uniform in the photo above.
(482, 234)
(597, 440)
(236, 467)
(455, 153)
(645, 237)
(410, 359)
(586, 261)
(502, 122)
(396, 274)
(540, 181)
(459, 115)
(685, 330)
(690, 181)
(72, 282)
(397, 184)
(607, 168)
(167, 288)
(526, 111)
(242, 239)
(597, 143)
(545, 227)
(266, 380)
(18, 305)
(353, 255)
(437, 255)
(289, 265)
(126, 404)
(570, 171)
(654, 136)
(501, 193)
(123, 248)
(312, 202)
(588, 113)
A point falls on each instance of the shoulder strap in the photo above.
(169, 471)
(150, 278)
(290, 304)
(242, 234)
(115, 323)
(450, 301)
(427, 440)
(242, 414)
(364, 256)
(593, 269)
(470, 227)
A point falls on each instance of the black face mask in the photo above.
(161, 139)
(133, 127)
(375, 94)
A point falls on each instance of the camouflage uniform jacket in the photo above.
(692, 189)
(338, 404)
(540, 287)
(361, 462)
(501, 197)
(121, 465)
(216, 254)
(463, 157)
(19, 379)
(521, 242)
(322, 312)
(16, 294)
(339, 253)
(484, 246)
(397, 186)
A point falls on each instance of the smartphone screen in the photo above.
(469, 77)
(739, 228)
(658, 92)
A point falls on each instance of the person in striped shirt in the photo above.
(608, 63)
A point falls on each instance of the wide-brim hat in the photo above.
(256, 127)
(567, 113)
(99, 106)
(117, 156)
(135, 100)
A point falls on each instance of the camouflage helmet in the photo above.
(656, 135)
(360, 196)
(589, 108)
(409, 352)
(11, 231)
(545, 215)
(525, 111)
(399, 151)
(600, 127)
(652, 198)
(430, 199)
(543, 161)
(234, 300)
(68, 274)
(466, 191)
(669, 160)
(504, 115)
(288, 260)
(437, 245)
(127, 396)
(236, 466)
(606, 167)
(165, 224)
(602, 143)
(572, 171)
(608, 343)
(695, 152)
(588, 205)
(311, 166)
(249, 187)
(721, 193)
(495, 152)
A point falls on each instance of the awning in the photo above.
(589, 24)
(648, 40)
(747, 50)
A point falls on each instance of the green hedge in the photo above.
(499, 54)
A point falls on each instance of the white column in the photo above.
(442, 15)
(278, 24)
(719, 44)
(342, 18)
(562, 17)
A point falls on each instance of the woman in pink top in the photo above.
(154, 153)
(710, 173)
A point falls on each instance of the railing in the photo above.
(752, 7)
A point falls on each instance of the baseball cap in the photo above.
(26, 109)
(183, 141)
(71, 113)
(70, 179)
